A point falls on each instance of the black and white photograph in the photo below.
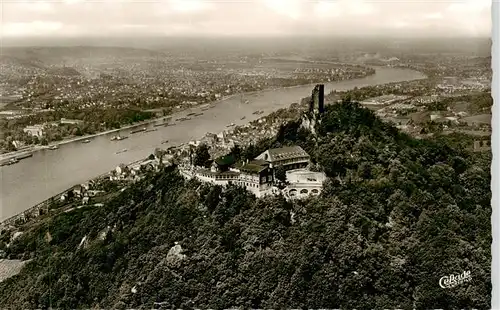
(246, 154)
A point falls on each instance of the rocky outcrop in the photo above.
(175, 256)
(10, 268)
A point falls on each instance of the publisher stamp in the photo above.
(455, 280)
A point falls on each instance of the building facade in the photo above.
(35, 130)
(216, 178)
(257, 175)
(303, 183)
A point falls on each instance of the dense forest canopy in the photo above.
(395, 216)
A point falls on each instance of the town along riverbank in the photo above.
(50, 172)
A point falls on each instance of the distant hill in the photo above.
(50, 54)
(61, 60)
(26, 62)
(305, 45)
(64, 71)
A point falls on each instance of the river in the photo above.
(49, 172)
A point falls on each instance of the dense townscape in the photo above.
(106, 89)
(353, 199)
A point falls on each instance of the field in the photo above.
(478, 119)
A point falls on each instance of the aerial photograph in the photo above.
(245, 154)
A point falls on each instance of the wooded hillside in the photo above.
(396, 215)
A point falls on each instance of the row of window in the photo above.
(295, 166)
(218, 177)
(230, 178)
(293, 160)
(246, 184)
(263, 179)
(303, 191)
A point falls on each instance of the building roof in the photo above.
(286, 152)
(252, 168)
(259, 162)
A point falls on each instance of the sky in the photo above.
(74, 18)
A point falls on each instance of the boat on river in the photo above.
(54, 147)
(86, 141)
(24, 156)
(10, 162)
(138, 130)
(118, 138)
(121, 151)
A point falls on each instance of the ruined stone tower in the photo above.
(317, 103)
(316, 108)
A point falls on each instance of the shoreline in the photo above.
(7, 156)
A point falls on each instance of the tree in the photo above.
(236, 152)
(280, 174)
(201, 155)
(158, 153)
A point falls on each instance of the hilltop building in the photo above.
(257, 175)
(223, 163)
(303, 183)
(216, 178)
(292, 157)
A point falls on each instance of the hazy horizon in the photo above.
(480, 47)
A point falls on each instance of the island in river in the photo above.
(48, 173)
